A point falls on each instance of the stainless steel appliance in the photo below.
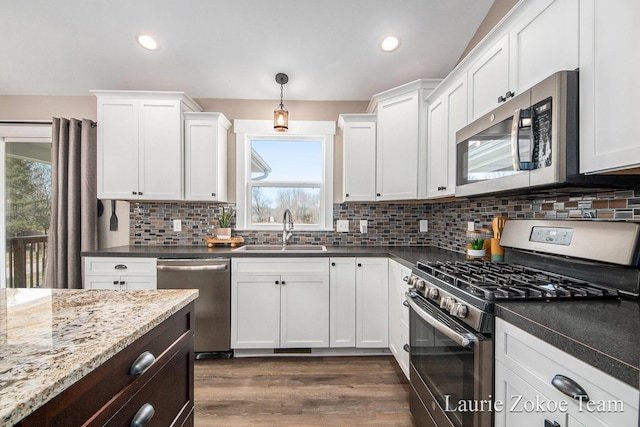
(451, 305)
(529, 142)
(212, 278)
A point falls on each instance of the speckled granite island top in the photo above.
(51, 338)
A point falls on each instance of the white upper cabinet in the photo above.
(447, 114)
(140, 146)
(544, 42)
(609, 85)
(536, 40)
(401, 141)
(205, 160)
(359, 157)
(489, 79)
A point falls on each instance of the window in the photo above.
(278, 171)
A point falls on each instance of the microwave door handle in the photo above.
(463, 340)
(515, 139)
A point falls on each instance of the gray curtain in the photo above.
(74, 218)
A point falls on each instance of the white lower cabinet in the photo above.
(399, 315)
(119, 273)
(524, 369)
(359, 302)
(285, 310)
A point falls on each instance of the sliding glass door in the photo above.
(26, 187)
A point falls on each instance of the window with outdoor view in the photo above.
(285, 171)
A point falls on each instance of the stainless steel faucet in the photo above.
(287, 226)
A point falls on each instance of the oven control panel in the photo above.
(552, 235)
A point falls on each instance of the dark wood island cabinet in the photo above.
(149, 382)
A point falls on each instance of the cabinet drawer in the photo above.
(87, 398)
(169, 394)
(537, 362)
(262, 266)
(120, 266)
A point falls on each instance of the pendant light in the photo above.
(281, 115)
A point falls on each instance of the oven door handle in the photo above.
(464, 340)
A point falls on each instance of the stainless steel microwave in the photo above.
(529, 142)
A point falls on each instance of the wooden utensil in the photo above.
(499, 226)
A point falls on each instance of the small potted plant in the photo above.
(476, 248)
(224, 224)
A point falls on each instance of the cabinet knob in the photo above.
(405, 303)
(277, 282)
(406, 348)
(548, 423)
(134, 193)
(142, 363)
(115, 282)
(283, 282)
(378, 194)
(122, 282)
(346, 195)
(139, 193)
(143, 416)
(213, 194)
(333, 264)
(359, 265)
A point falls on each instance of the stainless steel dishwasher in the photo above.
(212, 278)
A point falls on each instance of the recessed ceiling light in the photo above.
(390, 43)
(147, 41)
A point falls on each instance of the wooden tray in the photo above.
(234, 241)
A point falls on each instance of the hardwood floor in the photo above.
(301, 391)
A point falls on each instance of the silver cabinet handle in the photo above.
(463, 340)
(120, 267)
(569, 387)
(405, 303)
(143, 416)
(142, 363)
(405, 279)
(215, 267)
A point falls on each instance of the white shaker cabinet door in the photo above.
(609, 85)
(342, 308)
(489, 79)
(543, 42)
(372, 302)
(304, 311)
(117, 168)
(161, 158)
(359, 168)
(255, 311)
(397, 156)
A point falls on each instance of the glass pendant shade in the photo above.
(281, 119)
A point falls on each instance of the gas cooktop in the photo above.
(500, 281)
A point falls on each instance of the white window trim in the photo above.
(247, 130)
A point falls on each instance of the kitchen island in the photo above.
(64, 349)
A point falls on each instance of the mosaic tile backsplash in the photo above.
(389, 224)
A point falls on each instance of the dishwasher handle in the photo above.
(208, 267)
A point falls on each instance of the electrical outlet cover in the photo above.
(177, 225)
(342, 225)
(424, 225)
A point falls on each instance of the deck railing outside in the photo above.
(26, 259)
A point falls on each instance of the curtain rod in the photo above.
(44, 122)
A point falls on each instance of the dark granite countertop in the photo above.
(408, 256)
(603, 334)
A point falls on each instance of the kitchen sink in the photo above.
(280, 248)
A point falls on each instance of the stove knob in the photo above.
(420, 284)
(433, 293)
(459, 310)
(450, 305)
(444, 303)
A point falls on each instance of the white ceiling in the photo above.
(231, 48)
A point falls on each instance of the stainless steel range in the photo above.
(451, 316)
